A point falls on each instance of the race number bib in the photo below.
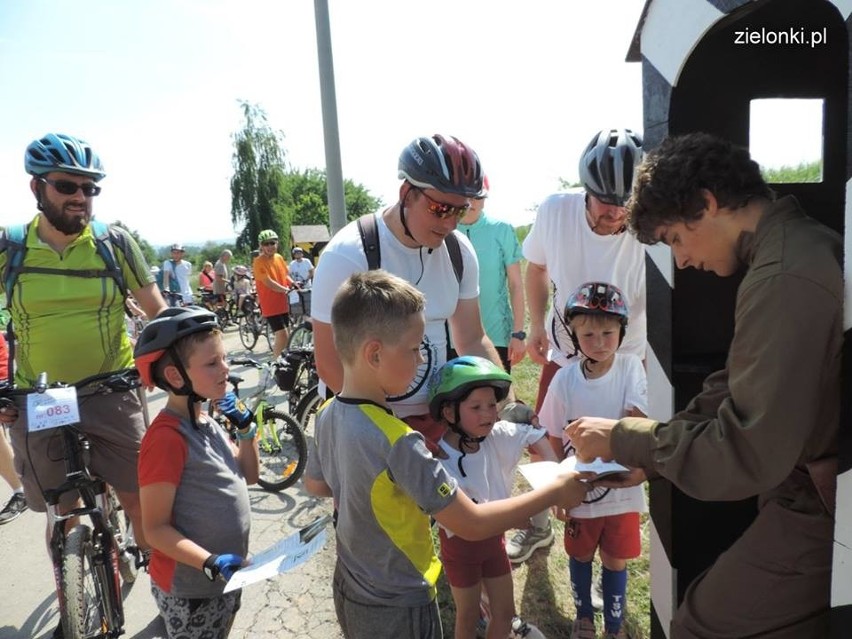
(52, 408)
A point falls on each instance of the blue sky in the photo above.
(154, 87)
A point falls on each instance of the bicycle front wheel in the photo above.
(283, 451)
(301, 337)
(306, 409)
(248, 331)
(90, 591)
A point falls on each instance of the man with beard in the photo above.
(69, 314)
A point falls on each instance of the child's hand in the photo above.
(560, 513)
(573, 489)
(235, 411)
(223, 565)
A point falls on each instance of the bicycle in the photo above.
(251, 325)
(90, 559)
(224, 312)
(281, 443)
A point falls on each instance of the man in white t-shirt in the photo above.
(176, 272)
(579, 236)
(301, 272)
(440, 174)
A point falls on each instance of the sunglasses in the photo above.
(67, 187)
(442, 210)
(269, 243)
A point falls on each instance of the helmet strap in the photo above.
(465, 440)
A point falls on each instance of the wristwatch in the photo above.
(209, 568)
(521, 335)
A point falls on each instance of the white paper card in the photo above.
(52, 408)
(542, 473)
(282, 556)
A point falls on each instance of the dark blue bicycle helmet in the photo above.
(60, 152)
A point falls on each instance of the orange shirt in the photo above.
(275, 268)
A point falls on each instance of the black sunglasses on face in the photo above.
(269, 243)
(442, 210)
(67, 187)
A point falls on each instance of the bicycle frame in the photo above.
(100, 537)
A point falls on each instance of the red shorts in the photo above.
(469, 562)
(430, 428)
(617, 536)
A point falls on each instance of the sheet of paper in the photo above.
(282, 556)
(541, 473)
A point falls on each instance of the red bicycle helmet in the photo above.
(442, 163)
(597, 298)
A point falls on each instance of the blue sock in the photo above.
(614, 585)
(581, 584)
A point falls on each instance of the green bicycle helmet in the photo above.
(266, 235)
(458, 377)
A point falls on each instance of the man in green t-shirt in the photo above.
(68, 313)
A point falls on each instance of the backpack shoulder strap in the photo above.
(369, 231)
(454, 250)
(14, 242)
(105, 240)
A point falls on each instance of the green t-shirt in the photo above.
(69, 326)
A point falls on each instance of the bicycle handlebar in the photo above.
(120, 381)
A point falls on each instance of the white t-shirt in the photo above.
(431, 271)
(570, 395)
(490, 472)
(299, 272)
(181, 272)
(562, 241)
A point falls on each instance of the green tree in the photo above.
(801, 173)
(147, 250)
(256, 187)
(307, 198)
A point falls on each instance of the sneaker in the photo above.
(525, 541)
(13, 508)
(621, 634)
(597, 594)
(481, 627)
(583, 629)
(523, 630)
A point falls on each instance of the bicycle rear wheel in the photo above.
(270, 336)
(283, 451)
(92, 601)
(123, 531)
(248, 331)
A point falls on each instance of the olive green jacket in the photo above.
(776, 405)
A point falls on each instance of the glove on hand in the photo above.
(225, 565)
(518, 413)
(236, 413)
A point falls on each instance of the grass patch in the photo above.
(542, 587)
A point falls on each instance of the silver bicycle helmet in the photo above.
(608, 163)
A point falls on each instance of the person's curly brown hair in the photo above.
(667, 187)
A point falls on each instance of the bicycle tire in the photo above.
(270, 336)
(125, 539)
(223, 316)
(248, 331)
(92, 602)
(282, 466)
(301, 337)
(307, 408)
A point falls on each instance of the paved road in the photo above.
(297, 603)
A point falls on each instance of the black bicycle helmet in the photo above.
(60, 152)
(442, 163)
(598, 298)
(160, 335)
(608, 163)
